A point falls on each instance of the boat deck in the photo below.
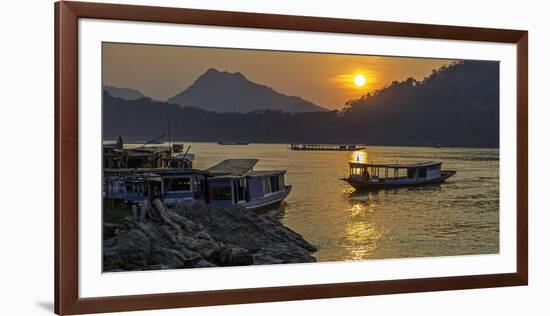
(360, 183)
(327, 147)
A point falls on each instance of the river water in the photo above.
(458, 217)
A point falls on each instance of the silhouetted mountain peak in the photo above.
(213, 74)
(212, 71)
(223, 91)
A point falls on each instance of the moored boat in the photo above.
(327, 147)
(232, 181)
(171, 185)
(252, 190)
(375, 176)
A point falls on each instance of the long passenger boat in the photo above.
(242, 143)
(375, 176)
(327, 147)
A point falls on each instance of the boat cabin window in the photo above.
(240, 188)
(358, 171)
(411, 173)
(274, 181)
(198, 187)
(220, 191)
(422, 172)
(266, 185)
(177, 184)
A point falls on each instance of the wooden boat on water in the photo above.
(375, 176)
(327, 147)
(234, 181)
(252, 190)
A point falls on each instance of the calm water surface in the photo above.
(454, 218)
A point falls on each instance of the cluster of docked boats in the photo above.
(233, 181)
(135, 175)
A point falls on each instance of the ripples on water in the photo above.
(454, 218)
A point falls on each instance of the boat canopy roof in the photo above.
(233, 166)
(264, 173)
(225, 177)
(137, 177)
(394, 165)
(250, 174)
(158, 171)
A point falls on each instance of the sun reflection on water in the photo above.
(361, 235)
(361, 209)
(359, 156)
(362, 240)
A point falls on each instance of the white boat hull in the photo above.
(268, 200)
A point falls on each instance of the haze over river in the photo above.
(458, 217)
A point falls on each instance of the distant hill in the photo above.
(457, 105)
(123, 93)
(232, 92)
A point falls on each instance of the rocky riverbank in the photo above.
(199, 235)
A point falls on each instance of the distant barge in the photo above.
(233, 143)
(374, 176)
(327, 147)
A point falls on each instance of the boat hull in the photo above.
(367, 185)
(269, 200)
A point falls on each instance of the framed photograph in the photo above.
(210, 157)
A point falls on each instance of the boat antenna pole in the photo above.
(185, 154)
(151, 141)
(169, 138)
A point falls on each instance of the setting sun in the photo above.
(359, 80)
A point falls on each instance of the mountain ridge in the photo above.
(124, 93)
(235, 93)
(456, 106)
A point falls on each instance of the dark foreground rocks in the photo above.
(199, 235)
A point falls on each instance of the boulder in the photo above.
(128, 251)
(199, 235)
(256, 233)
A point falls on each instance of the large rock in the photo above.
(128, 251)
(200, 235)
(261, 235)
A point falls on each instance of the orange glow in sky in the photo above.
(329, 80)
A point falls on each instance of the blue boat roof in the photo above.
(395, 165)
(251, 174)
(158, 171)
(233, 166)
(264, 173)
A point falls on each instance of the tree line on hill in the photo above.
(456, 105)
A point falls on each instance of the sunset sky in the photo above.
(328, 80)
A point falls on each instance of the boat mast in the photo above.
(169, 138)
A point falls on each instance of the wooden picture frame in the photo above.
(67, 14)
